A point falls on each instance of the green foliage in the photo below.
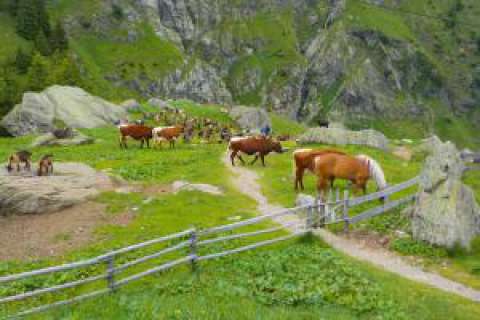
(23, 61)
(320, 277)
(42, 44)
(58, 39)
(410, 247)
(117, 12)
(38, 73)
(27, 19)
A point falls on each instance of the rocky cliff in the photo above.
(358, 62)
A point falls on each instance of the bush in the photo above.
(411, 247)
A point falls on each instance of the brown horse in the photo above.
(303, 160)
(337, 166)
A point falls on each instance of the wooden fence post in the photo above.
(111, 273)
(346, 218)
(193, 249)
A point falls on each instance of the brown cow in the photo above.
(17, 158)
(258, 146)
(304, 160)
(135, 131)
(169, 134)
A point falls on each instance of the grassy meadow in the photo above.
(298, 279)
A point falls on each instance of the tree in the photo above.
(58, 39)
(22, 61)
(12, 6)
(42, 16)
(65, 72)
(27, 19)
(37, 74)
(42, 44)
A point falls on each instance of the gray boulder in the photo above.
(446, 212)
(249, 117)
(39, 112)
(340, 136)
(49, 139)
(25, 193)
(131, 105)
(158, 103)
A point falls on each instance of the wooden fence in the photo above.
(192, 239)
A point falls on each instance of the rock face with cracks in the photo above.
(338, 136)
(446, 212)
(71, 106)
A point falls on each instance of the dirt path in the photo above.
(246, 181)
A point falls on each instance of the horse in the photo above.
(303, 160)
(258, 146)
(17, 158)
(45, 166)
(135, 131)
(358, 170)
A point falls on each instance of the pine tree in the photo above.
(37, 74)
(65, 71)
(42, 16)
(22, 61)
(12, 6)
(27, 19)
(42, 44)
(58, 38)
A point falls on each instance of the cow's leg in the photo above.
(232, 157)
(148, 143)
(262, 157)
(241, 159)
(254, 159)
(142, 141)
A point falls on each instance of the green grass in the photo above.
(390, 23)
(296, 280)
(284, 126)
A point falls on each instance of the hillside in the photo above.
(408, 68)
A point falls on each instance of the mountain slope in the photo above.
(383, 64)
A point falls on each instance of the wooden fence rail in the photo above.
(191, 242)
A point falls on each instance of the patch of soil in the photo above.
(29, 237)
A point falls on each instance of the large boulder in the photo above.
(26, 193)
(131, 105)
(249, 117)
(159, 103)
(340, 136)
(71, 106)
(49, 139)
(446, 212)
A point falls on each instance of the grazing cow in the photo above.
(135, 131)
(304, 160)
(283, 137)
(17, 158)
(258, 146)
(169, 134)
(45, 166)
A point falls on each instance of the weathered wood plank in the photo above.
(384, 193)
(381, 209)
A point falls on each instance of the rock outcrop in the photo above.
(39, 112)
(131, 105)
(339, 136)
(178, 186)
(446, 212)
(49, 139)
(25, 193)
(250, 118)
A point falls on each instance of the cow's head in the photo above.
(277, 146)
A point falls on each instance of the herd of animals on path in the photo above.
(327, 164)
